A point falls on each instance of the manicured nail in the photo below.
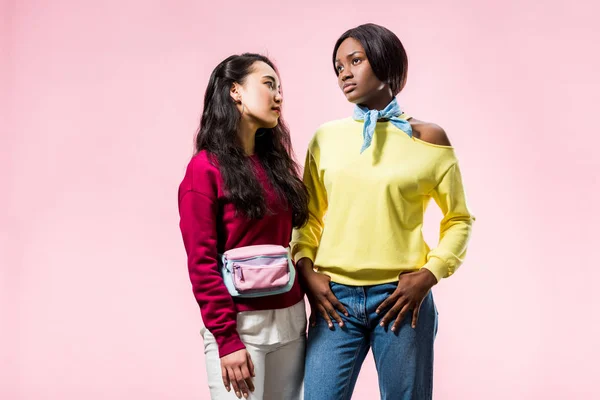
(377, 311)
(246, 395)
(238, 394)
(393, 329)
(341, 324)
(381, 323)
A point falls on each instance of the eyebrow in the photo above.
(350, 55)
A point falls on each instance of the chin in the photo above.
(271, 124)
(354, 98)
(267, 123)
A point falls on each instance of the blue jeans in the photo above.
(404, 359)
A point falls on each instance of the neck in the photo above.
(247, 134)
(378, 102)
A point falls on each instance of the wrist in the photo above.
(304, 266)
(437, 267)
(428, 277)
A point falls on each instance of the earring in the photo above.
(239, 101)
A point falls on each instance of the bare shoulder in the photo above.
(429, 132)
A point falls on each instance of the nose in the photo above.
(346, 74)
(278, 98)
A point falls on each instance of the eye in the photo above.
(339, 68)
(355, 61)
(269, 84)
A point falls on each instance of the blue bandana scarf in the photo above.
(391, 113)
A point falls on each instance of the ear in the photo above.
(235, 94)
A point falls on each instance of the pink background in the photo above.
(99, 106)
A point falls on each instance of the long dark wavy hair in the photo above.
(218, 135)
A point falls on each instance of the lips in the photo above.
(348, 87)
(276, 109)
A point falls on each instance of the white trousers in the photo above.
(276, 341)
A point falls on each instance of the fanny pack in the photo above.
(256, 271)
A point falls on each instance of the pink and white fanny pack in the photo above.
(256, 271)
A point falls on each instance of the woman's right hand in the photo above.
(320, 296)
(237, 370)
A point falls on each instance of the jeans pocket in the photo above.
(335, 287)
(337, 290)
(346, 295)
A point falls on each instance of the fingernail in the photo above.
(341, 324)
(381, 324)
(246, 395)
(376, 311)
(393, 329)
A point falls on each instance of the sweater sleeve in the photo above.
(455, 228)
(305, 240)
(198, 217)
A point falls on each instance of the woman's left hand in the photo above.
(412, 289)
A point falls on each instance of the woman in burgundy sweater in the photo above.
(242, 188)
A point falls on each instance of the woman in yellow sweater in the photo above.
(362, 257)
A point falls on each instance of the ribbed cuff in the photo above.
(438, 268)
(303, 251)
(229, 345)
